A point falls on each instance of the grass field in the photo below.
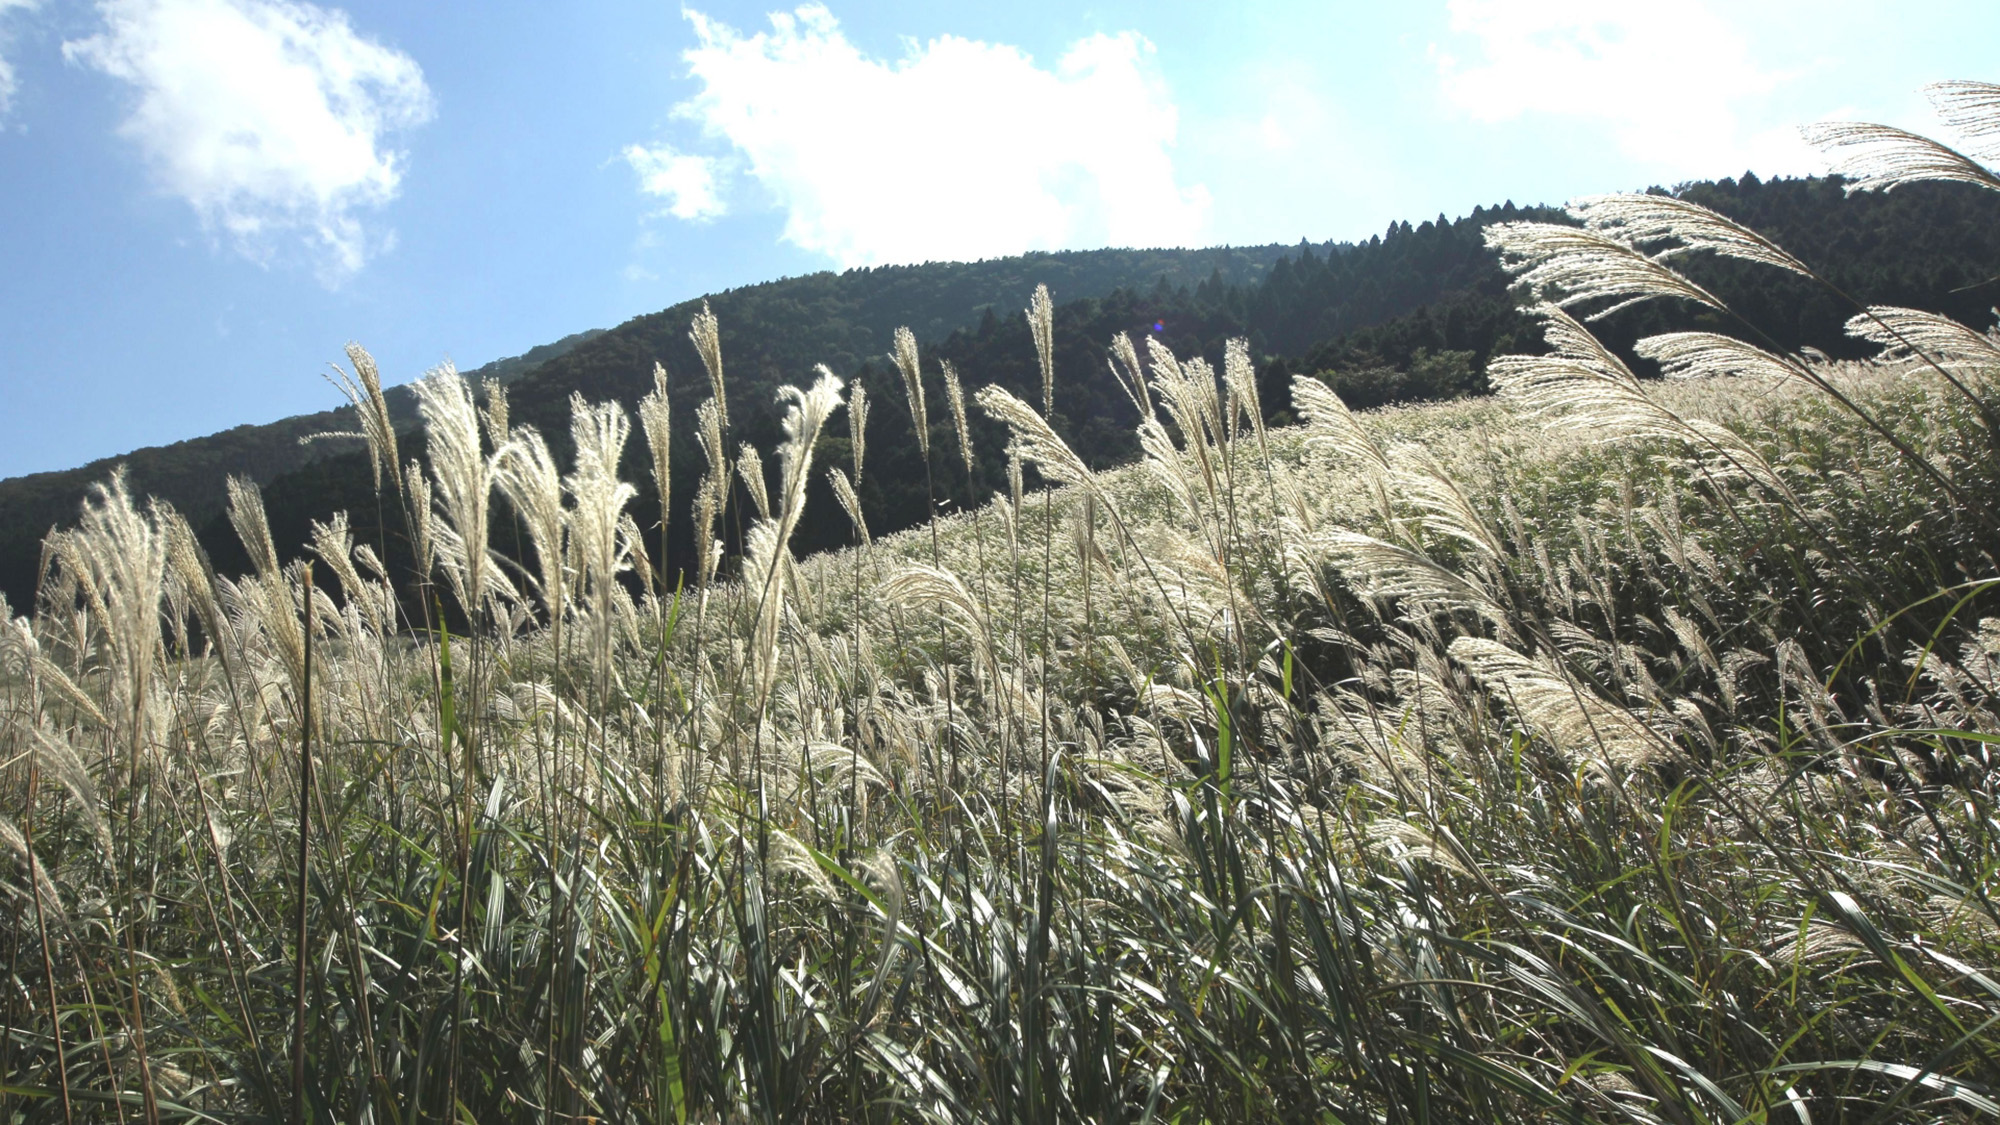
(1607, 750)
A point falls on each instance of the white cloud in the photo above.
(958, 150)
(686, 182)
(8, 82)
(1670, 83)
(268, 117)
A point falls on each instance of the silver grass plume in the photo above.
(1583, 386)
(1880, 158)
(857, 428)
(1239, 375)
(632, 548)
(464, 482)
(1446, 509)
(750, 467)
(1165, 463)
(706, 512)
(597, 502)
(954, 393)
(706, 332)
(16, 845)
(66, 766)
(1911, 334)
(917, 586)
(1641, 219)
(246, 516)
(905, 357)
(118, 560)
(805, 417)
(766, 550)
(363, 392)
(1707, 355)
(1041, 313)
(333, 542)
(423, 540)
(268, 592)
(1187, 392)
(1033, 440)
(843, 491)
(1330, 423)
(1570, 715)
(1565, 265)
(712, 498)
(493, 411)
(1972, 108)
(190, 568)
(656, 419)
(1378, 569)
(1125, 367)
(708, 419)
(530, 481)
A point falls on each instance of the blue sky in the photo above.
(204, 199)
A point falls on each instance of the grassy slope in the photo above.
(1684, 858)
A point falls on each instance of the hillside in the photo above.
(1411, 315)
(794, 322)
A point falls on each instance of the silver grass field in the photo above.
(1613, 749)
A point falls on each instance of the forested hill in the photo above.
(1410, 314)
(792, 323)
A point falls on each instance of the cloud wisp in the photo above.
(9, 82)
(1669, 84)
(272, 119)
(688, 183)
(959, 150)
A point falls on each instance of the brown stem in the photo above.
(305, 843)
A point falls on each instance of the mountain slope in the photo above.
(1410, 315)
(794, 322)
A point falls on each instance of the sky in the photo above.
(202, 201)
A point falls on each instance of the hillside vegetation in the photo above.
(1412, 315)
(1609, 749)
(794, 323)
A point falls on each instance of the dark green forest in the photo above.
(1410, 315)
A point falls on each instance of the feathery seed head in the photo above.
(750, 468)
(370, 409)
(656, 419)
(1041, 314)
(246, 515)
(1972, 108)
(843, 491)
(464, 484)
(528, 478)
(418, 488)
(1131, 376)
(1332, 424)
(494, 411)
(706, 332)
(857, 428)
(1570, 715)
(1642, 219)
(955, 394)
(905, 357)
(1567, 266)
(1240, 376)
(1033, 440)
(1908, 334)
(1879, 158)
